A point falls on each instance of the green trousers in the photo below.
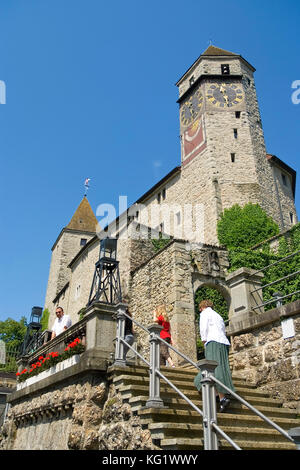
(217, 352)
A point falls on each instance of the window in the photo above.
(235, 133)
(164, 193)
(284, 180)
(232, 157)
(77, 292)
(292, 217)
(192, 80)
(137, 214)
(161, 227)
(225, 70)
(158, 198)
(83, 241)
(178, 218)
(238, 114)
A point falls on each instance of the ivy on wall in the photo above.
(245, 226)
(239, 229)
(159, 243)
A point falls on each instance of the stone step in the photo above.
(122, 380)
(178, 374)
(156, 415)
(128, 391)
(167, 430)
(195, 444)
(170, 425)
(180, 404)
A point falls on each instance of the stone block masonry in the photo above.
(84, 413)
(262, 355)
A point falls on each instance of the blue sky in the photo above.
(90, 92)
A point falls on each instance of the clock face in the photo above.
(191, 108)
(224, 95)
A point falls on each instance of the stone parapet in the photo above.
(265, 354)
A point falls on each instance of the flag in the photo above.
(86, 182)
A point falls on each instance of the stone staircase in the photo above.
(178, 427)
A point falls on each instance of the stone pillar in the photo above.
(120, 359)
(101, 326)
(182, 297)
(294, 433)
(154, 400)
(22, 363)
(207, 369)
(242, 283)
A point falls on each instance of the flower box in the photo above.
(51, 371)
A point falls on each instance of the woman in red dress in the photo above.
(160, 316)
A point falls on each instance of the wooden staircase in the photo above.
(178, 427)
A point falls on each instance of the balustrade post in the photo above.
(209, 403)
(294, 433)
(154, 380)
(120, 360)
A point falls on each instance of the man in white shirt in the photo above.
(62, 322)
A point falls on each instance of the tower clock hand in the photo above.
(224, 93)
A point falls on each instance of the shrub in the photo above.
(246, 226)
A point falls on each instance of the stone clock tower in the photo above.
(223, 156)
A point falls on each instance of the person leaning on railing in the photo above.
(213, 335)
(62, 322)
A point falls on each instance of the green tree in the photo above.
(45, 319)
(246, 226)
(13, 332)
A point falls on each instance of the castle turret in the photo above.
(81, 228)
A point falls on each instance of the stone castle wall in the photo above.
(65, 249)
(131, 252)
(171, 277)
(86, 414)
(262, 356)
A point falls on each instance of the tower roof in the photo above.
(84, 218)
(213, 50)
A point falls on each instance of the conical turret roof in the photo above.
(84, 218)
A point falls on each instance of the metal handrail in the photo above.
(275, 282)
(276, 262)
(252, 408)
(236, 396)
(135, 351)
(197, 409)
(157, 372)
(276, 299)
(213, 378)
